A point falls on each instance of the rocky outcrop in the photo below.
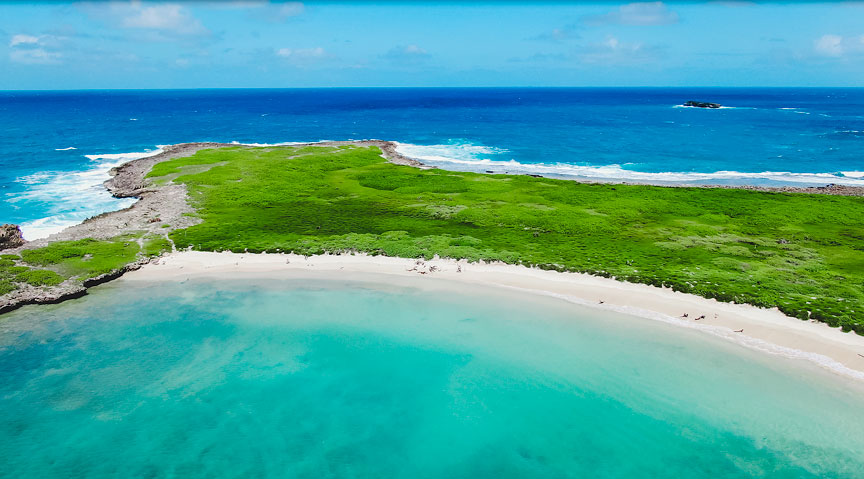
(159, 210)
(10, 237)
(28, 294)
(69, 289)
(129, 179)
(832, 189)
(702, 104)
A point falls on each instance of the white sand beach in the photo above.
(763, 329)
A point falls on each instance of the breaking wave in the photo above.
(469, 157)
(72, 196)
(75, 196)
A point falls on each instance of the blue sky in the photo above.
(235, 44)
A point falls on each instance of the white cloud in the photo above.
(614, 51)
(263, 9)
(238, 4)
(406, 54)
(643, 13)
(559, 35)
(837, 46)
(302, 55)
(23, 40)
(282, 10)
(540, 57)
(34, 56)
(29, 49)
(291, 9)
(168, 17)
(830, 45)
(155, 21)
(734, 3)
(301, 52)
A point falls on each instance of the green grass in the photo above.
(12, 274)
(801, 253)
(39, 277)
(85, 258)
(76, 260)
(155, 246)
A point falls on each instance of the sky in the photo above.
(270, 44)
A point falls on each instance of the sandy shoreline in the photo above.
(160, 210)
(768, 330)
(763, 329)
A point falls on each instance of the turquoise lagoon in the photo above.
(316, 378)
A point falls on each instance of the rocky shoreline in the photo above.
(163, 209)
(159, 211)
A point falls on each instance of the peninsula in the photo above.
(794, 249)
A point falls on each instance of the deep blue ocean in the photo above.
(56, 147)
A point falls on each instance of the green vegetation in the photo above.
(85, 258)
(79, 260)
(801, 253)
(11, 274)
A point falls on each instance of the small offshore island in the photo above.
(799, 250)
(702, 104)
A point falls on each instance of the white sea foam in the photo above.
(75, 196)
(284, 143)
(470, 157)
(72, 196)
(65, 149)
(122, 157)
(796, 110)
(287, 143)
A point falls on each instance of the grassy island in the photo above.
(801, 253)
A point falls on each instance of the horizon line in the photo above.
(488, 87)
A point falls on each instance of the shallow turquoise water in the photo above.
(316, 379)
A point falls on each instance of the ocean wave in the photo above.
(854, 133)
(65, 149)
(465, 153)
(292, 143)
(799, 111)
(72, 197)
(285, 143)
(122, 157)
(469, 157)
